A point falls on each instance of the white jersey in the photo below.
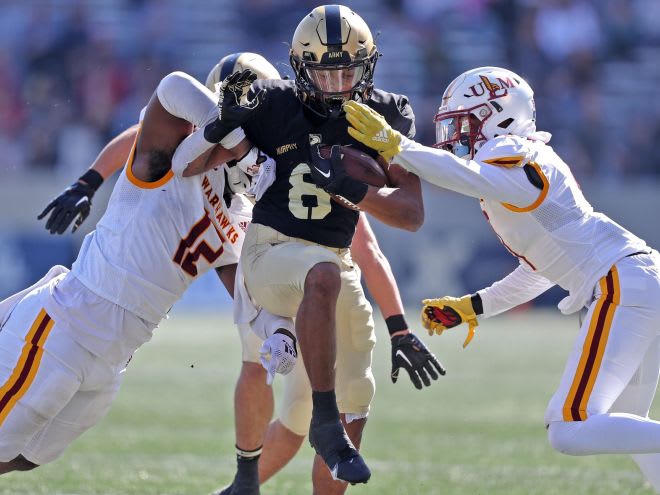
(537, 210)
(156, 238)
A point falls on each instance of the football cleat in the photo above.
(226, 490)
(345, 463)
(241, 487)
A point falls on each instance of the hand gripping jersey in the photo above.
(155, 238)
(283, 128)
(536, 208)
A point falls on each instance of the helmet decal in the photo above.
(333, 28)
(495, 90)
(228, 65)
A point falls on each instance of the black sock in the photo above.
(324, 406)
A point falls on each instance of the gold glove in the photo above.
(371, 129)
(447, 312)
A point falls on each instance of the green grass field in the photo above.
(479, 430)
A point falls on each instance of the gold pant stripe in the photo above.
(575, 406)
(28, 363)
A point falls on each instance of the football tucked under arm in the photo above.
(356, 165)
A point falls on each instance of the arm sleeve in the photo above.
(467, 177)
(185, 97)
(518, 287)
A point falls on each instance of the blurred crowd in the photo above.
(73, 73)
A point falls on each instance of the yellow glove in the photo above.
(371, 129)
(447, 312)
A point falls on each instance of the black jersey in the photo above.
(282, 127)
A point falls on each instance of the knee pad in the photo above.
(561, 435)
(296, 405)
(297, 414)
(250, 344)
(357, 396)
(266, 323)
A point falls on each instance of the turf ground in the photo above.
(479, 430)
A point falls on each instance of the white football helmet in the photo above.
(481, 104)
(240, 173)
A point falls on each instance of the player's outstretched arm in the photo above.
(439, 167)
(114, 155)
(518, 287)
(76, 200)
(217, 123)
(408, 351)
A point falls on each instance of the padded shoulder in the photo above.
(277, 92)
(506, 151)
(396, 109)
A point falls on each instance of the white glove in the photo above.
(237, 180)
(263, 179)
(278, 354)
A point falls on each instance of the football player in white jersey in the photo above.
(253, 396)
(488, 147)
(65, 341)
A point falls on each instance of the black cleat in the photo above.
(345, 463)
(240, 487)
(226, 490)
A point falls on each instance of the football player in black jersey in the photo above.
(296, 257)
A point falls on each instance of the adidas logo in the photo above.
(381, 137)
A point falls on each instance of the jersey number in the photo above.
(186, 257)
(306, 201)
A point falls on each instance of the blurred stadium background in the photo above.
(74, 73)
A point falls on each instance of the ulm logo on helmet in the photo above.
(495, 89)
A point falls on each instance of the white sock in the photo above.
(649, 465)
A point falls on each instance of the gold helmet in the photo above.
(333, 55)
(237, 62)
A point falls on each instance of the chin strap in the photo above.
(542, 136)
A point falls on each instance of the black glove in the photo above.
(231, 113)
(330, 175)
(74, 203)
(410, 353)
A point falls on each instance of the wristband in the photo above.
(477, 304)
(92, 178)
(215, 131)
(233, 139)
(284, 331)
(396, 323)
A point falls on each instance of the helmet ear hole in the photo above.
(505, 123)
